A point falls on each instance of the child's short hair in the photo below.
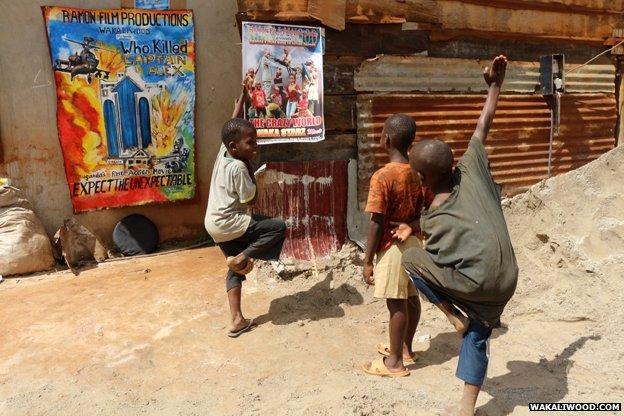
(234, 129)
(402, 130)
(432, 157)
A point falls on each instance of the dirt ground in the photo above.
(147, 336)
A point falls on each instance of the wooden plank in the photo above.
(330, 12)
(272, 10)
(334, 147)
(290, 6)
(567, 6)
(391, 11)
(338, 74)
(561, 24)
(340, 113)
(369, 41)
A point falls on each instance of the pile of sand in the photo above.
(568, 233)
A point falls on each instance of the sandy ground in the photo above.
(147, 336)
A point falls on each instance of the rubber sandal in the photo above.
(378, 368)
(234, 334)
(384, 349)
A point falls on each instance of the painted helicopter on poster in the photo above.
(83, 63)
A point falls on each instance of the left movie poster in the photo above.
(125, 88)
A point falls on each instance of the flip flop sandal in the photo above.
(384, 349)
(378, 368)
(245, 270)
(234, 334)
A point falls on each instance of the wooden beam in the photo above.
(338, 74)
(282, 10)
(568, 6)
(372, 40)
(330, 12)
(334, 147)
(560, 24)
(515, 49)
(340, 113)
(391, 11)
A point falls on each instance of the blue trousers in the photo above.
(474, 350)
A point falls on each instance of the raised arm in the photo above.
(494, 77)
(238, 104)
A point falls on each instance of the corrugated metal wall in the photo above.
(446, 95)
(518, 140)
(390, 73)
(312, 198)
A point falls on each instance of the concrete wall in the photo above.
(32, 155)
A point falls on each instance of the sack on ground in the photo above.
(78, 245)
(24, 244)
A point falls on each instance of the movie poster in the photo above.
(283, 78)
(125, 87)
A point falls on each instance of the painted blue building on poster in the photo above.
(127, 108)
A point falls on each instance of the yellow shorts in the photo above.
(391, 280)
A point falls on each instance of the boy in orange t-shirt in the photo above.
(395, 201)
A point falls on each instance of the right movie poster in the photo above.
(283, 78)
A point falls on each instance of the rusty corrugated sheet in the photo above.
(391, 73)
(312, 198)
(419, 73)
(590, 78)
(518, 140)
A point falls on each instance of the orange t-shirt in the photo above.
(395, 191)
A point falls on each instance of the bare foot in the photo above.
(240, 324)
(454, 411)
(393, 367)
(408, 357)
(450, 411)
(459, 321)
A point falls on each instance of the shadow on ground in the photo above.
(531, 382)
(444, 347)
(321, 301)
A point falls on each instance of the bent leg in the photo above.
(455, 317)
(266, 239)
(422, 271)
